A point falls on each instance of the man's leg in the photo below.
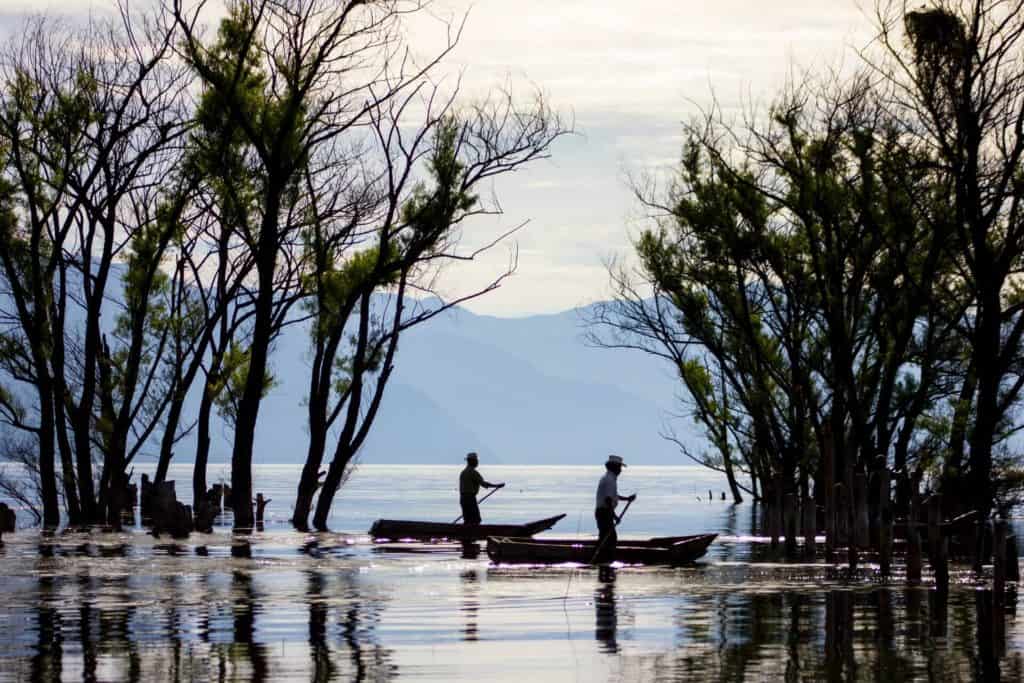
(470, 511)
(607, 536)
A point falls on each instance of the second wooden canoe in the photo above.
(673, 550)
(396, 529)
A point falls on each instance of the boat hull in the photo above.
(395, 529)
(673, 550)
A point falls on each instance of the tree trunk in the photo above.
(730, 476)
(202, 447)
(47, 467)
(335, 472)
(252, 394)
(67, 466)
(74, 508)
(310, 478)
(167, 441)
(986, 358)
(319, 424)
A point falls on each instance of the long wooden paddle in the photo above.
(493, 491)
(618, 520)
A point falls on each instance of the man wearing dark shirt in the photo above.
(470, 482)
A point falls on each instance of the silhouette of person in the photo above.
(607, 499)
(470, 481)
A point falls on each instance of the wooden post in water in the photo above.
(789, 521)
(829, 498)
(860, 511)
(999, 565)
(913, 532)
(885, 519)
(810, 515)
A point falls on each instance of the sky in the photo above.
(628, 75)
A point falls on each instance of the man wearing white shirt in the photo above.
(607, 500)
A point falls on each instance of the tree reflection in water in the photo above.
(46, 663)
(137, 612)
(339, 613)
(246, 648)
(320, 652)
(844, 634)
(370, 660)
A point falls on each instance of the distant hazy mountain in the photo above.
(517, 390)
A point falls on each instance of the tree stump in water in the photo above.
(207, 509)
(146, 498)
(261, 504)
(215, 496)
(8, 520)
(205, 514)
(170, 516)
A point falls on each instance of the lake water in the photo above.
(282, 605)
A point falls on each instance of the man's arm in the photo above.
(627, 498)
(489, 485)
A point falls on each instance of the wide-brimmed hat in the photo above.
(615, 460)
(471, 456)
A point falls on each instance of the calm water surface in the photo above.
(280, 605)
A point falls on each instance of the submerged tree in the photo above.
(794, 282)
(960, 82)
(89, 120)
(836, 282)
(413, 232)
(317, 102)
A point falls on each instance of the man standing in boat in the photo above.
(607, 500)
(470, 482)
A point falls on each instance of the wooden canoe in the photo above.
(672, 550)
(395, 529)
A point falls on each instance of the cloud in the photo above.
(630, 73)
